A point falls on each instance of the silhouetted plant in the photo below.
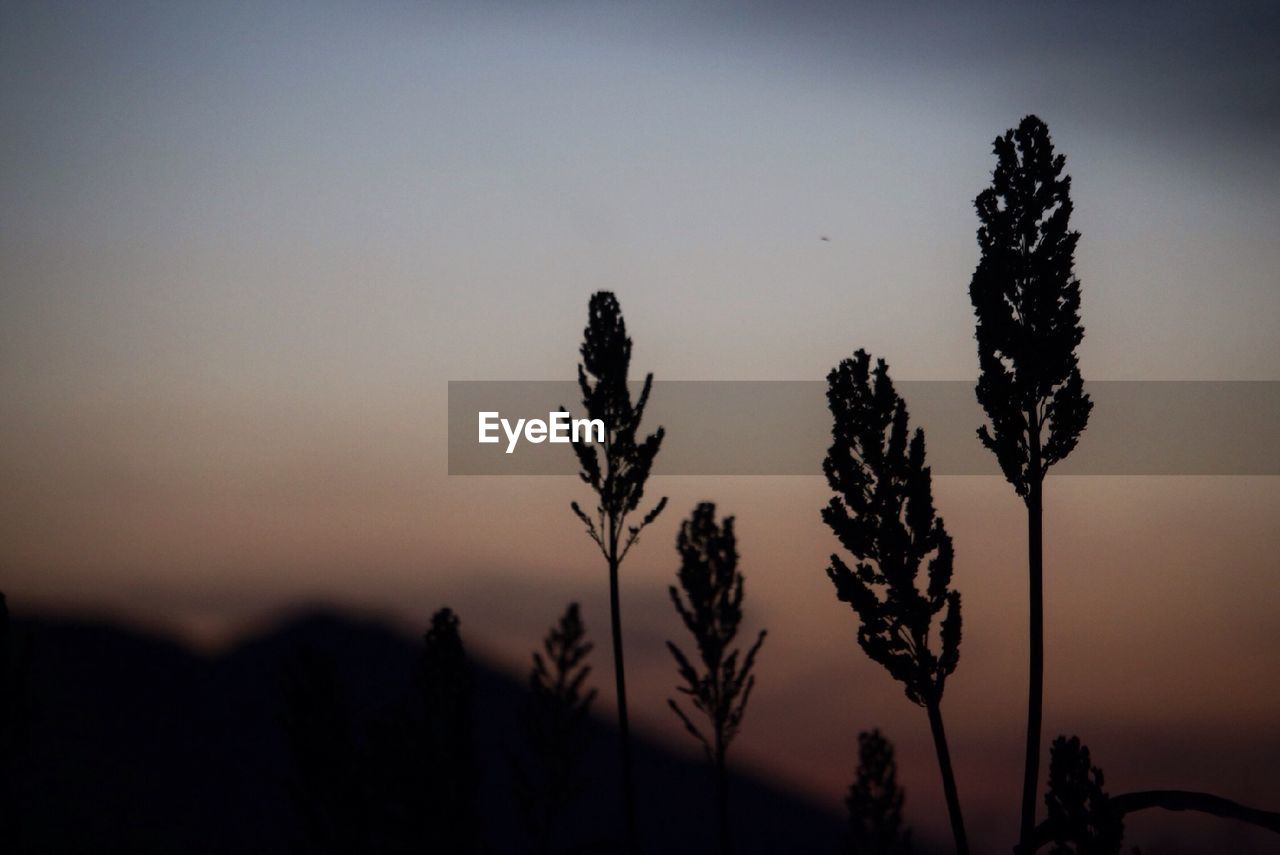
(1084, 819)
(328, 781)
(1027, 300)
(883, 514)
(1080, 812)
(549, 781)
(616, 470)
(713, 588)
(875, 800)
(431, 776)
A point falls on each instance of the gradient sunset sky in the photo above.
(244, 246)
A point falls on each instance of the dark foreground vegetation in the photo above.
(134, 744)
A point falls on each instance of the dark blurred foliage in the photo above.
(1081, 817)
(548, 776)
(136, 744)
(875, 800)
(427, 776)
(330, 779)
(711, 610)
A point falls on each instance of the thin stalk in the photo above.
(722, 800)
(948, 778)
(620, 682)
(1035, 683)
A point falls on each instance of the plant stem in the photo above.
(620, 681)
(1035, 683)
(722, 799)
(948, 777)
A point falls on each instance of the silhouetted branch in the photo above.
(1179, 800)
(633, 532)
(593, 531)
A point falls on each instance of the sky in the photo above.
(245, 246)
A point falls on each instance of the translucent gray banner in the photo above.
(783, 427)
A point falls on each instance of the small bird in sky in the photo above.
(825, 238)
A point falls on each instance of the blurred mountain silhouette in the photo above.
(136, 744)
